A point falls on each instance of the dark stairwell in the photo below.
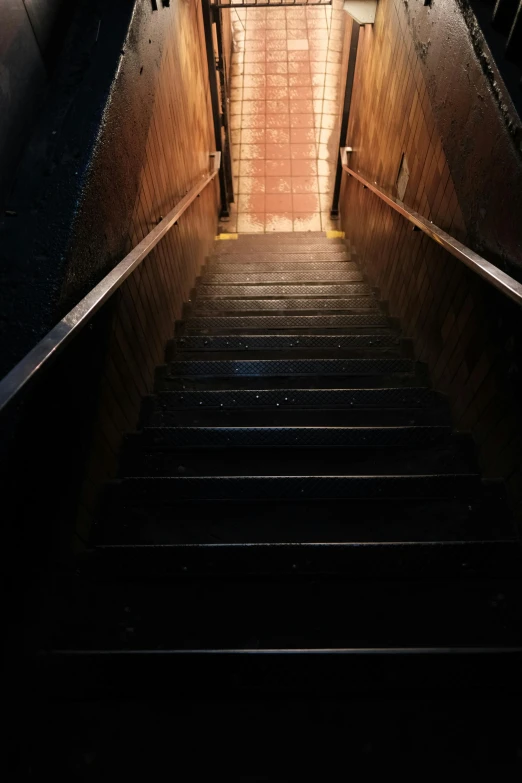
(264, 510)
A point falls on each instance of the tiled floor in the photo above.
(284, 113)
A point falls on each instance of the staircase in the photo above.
(295, 513)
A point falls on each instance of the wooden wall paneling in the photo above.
(446, 309)
(147, 305)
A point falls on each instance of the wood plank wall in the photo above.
(177, 154)
(460, 326)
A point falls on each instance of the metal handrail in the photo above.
(61, 334)
(489, 272)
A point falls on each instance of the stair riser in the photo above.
(304, 520)
(294, 461)
(202, 437)
(366, 560)
(283, 324)
(278, 612)
(396, 672)
(166, 491)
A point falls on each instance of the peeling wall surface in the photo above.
(478, 125)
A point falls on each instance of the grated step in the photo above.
(281, 291)
(284, 324)
(281, 258)
(345, 274)
(218, 267)
(280, 342)
(236, 248)
(321, 399)
(271, 367)
(207, 306)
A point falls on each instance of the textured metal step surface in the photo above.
(273, 342)
(236, 248)
(204, 306)
(282, 258)
(236, 399)
(156, 411)
(281, 291)
(267, 367)
(181, 437)
(160, 491)
(201, 324)
(278, 238)
(217, 267)
(344, 274)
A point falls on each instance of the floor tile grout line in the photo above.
(317, 131)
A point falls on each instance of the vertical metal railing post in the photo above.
(214, 96)
(352, 59)
(222, 70)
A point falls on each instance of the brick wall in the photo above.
(465, 331)
(147, 305)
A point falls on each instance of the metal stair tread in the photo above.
(320, 304)
(281, 291)
(222, 436)
(273, 342)
(346, 274)
(197, 323)
(218, 267)
(265, 256)
(256, 367)
(333, 398)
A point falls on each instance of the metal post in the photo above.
(354, 41)
(221, 68)
(214, 96)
